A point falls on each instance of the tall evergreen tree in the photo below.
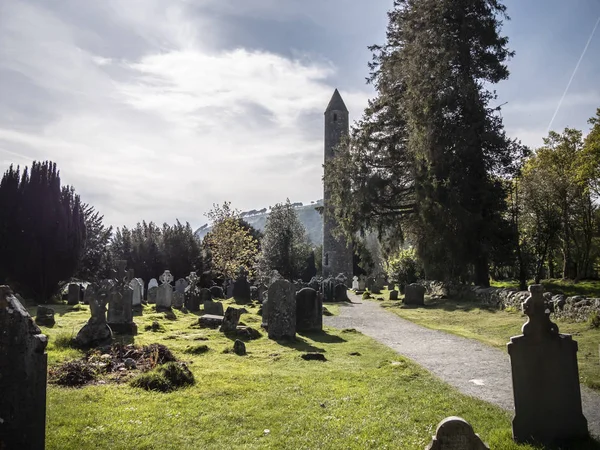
(42, 230)
(96, 261)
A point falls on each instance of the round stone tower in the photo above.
(337, 254)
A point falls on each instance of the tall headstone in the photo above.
(281, 311)
(178, 299)
(362, 283)
(454, 433)
(241, 287)
(545, 378)
(120, 310)
(309, 310)
(141, 284)
(23, 368)
(152, 294)
(137, 287)
(355, 283)
(73, 294)
(414, 294)
(164, 297)
(337, 252)
(96, 331)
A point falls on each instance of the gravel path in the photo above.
(472, 367)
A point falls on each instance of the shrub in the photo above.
(197, 349)
(72, 374)
(166, 378)
(152, 381)
(405, 268)
(64, 340)
(366, 295)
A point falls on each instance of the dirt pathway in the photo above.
(472, 367)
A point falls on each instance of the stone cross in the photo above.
(539, 324)
(166, 277)
(193, 278)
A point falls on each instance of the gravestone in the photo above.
(205, 295)
(45, 316)
(96, 331)
(355, 283)
(23, 368)
(362, 283)
(192, 298)
(394, 295)
(454, 433)
(545, 378)
(216, 292)
(215, 308)
(241, 288)
(262, 288)
(309, 310)
(120, 310)
(137, 287)
(254, 293)
(265, 313)
(328, 289)
(414, 294)
(340, 293)
(281, 312)
(152, 283)
(164, 297)
(152, 294)
(229, 290)
(210, 321)
(142, 285)
(180, 285)
(73, 295)
(231, 318)
(178, 300)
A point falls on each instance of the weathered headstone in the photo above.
(281, 312)
(215, 308)
(261, 292)
(362, 283)
(120, 310)
(229, 290)
(192, 298)
(241, 288)
(178, 300)
(355, 283)
(340, 293)
(454, 433)
(164, 298)
(265, 313)
(23, 368)
(545, 378)
(152, 294)
(309, 310)
(217, 292)
(328, 289)
(45, 316)
(414, 294)
(394, 295)
(73, 294)
(96, 331)
(239, 348)
(137, 287)
(152, 283)
(205, 295)
(231, 318)
(180, 285)
(141, 281)
(210, 321)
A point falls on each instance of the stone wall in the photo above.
(576, 308)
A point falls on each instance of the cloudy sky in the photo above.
(156, 109)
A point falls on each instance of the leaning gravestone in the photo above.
(231, 318)
(214, 308)
(180, 285)
(73, 295)
(164, 297)
(545, 378)
(96, 331)
(414, 294)
(309, 310)
(23, 368)
(454, 433)
(137, 287)
(281, 312)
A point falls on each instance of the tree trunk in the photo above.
(482, 272)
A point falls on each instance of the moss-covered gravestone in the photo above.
(281, 311)
(23, 366)
(545, 378)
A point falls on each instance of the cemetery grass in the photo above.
(495, 328)
(364, 396)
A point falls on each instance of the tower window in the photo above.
(327, 256)
(334, 117)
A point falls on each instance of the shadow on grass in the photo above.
(322, 336)
(585, 444)
(450, 305)
(301, 345)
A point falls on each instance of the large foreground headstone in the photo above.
(23, 366)
(454, 433)
(545, 378)
(281, 312)
(414, 294)
(309, 310)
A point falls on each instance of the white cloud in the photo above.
(166, 134)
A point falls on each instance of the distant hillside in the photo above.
(308, 215)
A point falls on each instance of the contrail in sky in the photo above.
(573, 75)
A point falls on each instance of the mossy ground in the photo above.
(495, 327)
(269, 399)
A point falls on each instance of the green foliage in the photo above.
(594, 320)
(96, 260)
(64, 340)
(404, 267)
(230, 245)
(165, 378)
(42, 230)
(197, 349)
(284, 247)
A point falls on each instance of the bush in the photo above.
(72, 374)
(166, 378)
(197, 349)
(405, 268)
(64, 340)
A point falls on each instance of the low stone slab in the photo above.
(454, 433)
(210, 321)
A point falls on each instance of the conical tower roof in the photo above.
(336, 103)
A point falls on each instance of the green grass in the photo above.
(495, 327)
(589, 288)
(376, 400)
